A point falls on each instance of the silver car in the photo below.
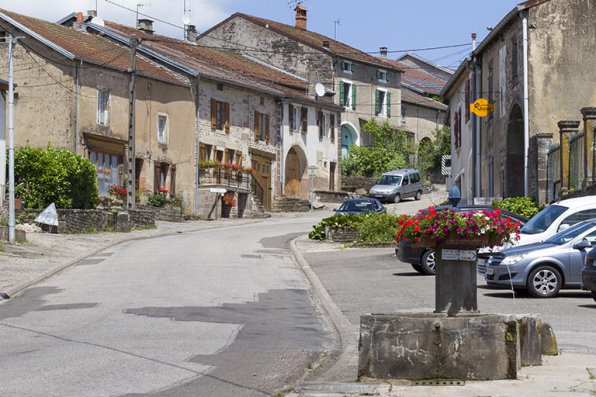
(544, 268)
(397, 185)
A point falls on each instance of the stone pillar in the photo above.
(567, 128)
(538, 166)
(589, 124)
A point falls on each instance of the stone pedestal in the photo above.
(589, 114)
(567, 128)
(455, 282)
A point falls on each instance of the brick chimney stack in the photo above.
(301, 17)
(79, 24)
(383, 51)
(145, 25)
(191, 33)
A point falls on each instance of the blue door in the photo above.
(346, 140)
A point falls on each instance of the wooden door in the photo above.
(293, 174)
(262, 177)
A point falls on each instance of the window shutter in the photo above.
(238, 157)
(353, 96)
(332, 126)
(377, 102)
(341, 93)
(227, 117)
(321, 124)
(213, 114)
(291, 111)
(267, 128)
(353, 67)
(156, 177)
(256, 125)
(388, 100)
(467, 100)
(304, 112)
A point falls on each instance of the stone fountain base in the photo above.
(435, 346)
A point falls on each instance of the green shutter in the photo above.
(353, 68)
(388, 104)
(377, 102)
(341, 93)
(353, 96)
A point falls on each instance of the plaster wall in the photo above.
(422, 121)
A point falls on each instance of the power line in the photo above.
(145, 15)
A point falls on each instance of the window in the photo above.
(322, 123)
(205, 152)
(347, 94)
(238, 157)
(348, 67)
(162, 129)
(304, 119)
(332, 127)
(382, 76)
(230, 155)
(108, 167)
(261, 127)
(415, 178)
(160, 176)
(403, 114)
(103, 104)
(294, 118)
(220, 115)
(383, 103)
(579, 217)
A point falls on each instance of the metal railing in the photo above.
(576, 161)
(224, 177)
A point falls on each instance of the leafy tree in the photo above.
(54, 175)
(390, 151)
(430, 152)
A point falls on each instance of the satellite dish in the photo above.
(98, 21)
(186, 19)
(319, 89)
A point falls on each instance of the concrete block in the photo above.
(548, 346)
(123, 222)
(529, 339)
(434, 346)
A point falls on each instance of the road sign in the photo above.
(482, 107)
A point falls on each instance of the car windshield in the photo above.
(540, 222)
(569, 234)
(356, 206)
(390, 180)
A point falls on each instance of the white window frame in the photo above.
(325, 125)
(382, 73)
(383, 109)
(103, 107)
(350, 66)
(165, 136)
(296, 118)
(348, 103)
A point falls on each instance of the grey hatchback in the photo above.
(544, 268)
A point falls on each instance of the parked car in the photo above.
(557, 217)
(361, 206)
(544, 268)
(589, 273)
(397, 185)
(423, 259)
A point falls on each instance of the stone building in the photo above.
(554, 74)
(365, 86)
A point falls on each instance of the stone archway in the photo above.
(296, 167)
(514, 167)
(349, 135)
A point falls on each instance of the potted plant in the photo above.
(229, 199)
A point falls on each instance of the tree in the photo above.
(390, 151)
(431, 152)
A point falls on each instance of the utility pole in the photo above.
(130, 188)
(11, 215)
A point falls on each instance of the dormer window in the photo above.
(382, 75)
(348, 67)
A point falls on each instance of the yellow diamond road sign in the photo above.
(482, 107)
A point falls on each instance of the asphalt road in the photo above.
(364, 281)
(222, 312)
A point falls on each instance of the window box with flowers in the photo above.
(456, 236)
(117, 191)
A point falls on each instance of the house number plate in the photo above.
(450, 255)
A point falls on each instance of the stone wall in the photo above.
(287, 204)
(341, 234)
(331, 197)
(538, 165)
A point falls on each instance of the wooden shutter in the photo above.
(388, 101)
(332, 126)
(227, 107)
(267, 128)
(341, 93)
(467, 100)
(353, 67)
(238, 157)
(291, 111)
(156, 177)
(304, 117)
(173, 180)
(321, 124)
(353, 96)
(256, 125)
(377, 102)
(213, 114)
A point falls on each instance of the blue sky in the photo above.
(366, 25)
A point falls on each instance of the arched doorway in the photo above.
(514, 171)
(348, 137)
(295, 170)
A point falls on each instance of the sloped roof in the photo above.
(89, 48)
(411, 96)
(311, 39)
(219, 64)
(419, 78)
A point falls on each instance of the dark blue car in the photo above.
(361, 206)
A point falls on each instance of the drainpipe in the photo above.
(283, 150)
(76, 145)
(475, 149)
(526, 103)
(198, 121)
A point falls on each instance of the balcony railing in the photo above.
(225, 177)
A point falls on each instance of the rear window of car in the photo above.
(542, 221)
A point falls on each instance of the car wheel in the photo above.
(397, 198)
(418, 195)
(417, 267)
(544, 282)
(594, 295)
(428, 263)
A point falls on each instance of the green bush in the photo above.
(3, 216)
(370, 228)
(343, 220)
(524, 206)
(157, 200)
(55, 175)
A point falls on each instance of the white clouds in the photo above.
(203, 13)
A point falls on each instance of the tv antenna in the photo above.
(295, 3)
(148, 4)
(186, 21)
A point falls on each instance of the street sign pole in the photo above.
(11, 213)
(312, 170)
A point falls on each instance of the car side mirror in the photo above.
(582, 244)
(564, 226)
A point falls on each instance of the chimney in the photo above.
(191, 33)
(383, 52)
(301, 17)
(326, 44)
(92, 13)
(145, 25)
(79, 24)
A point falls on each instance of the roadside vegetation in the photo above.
(524, 206)
(370, 228)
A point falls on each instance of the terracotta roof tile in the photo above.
(419, 78)
(92, 47)
(410, 96)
